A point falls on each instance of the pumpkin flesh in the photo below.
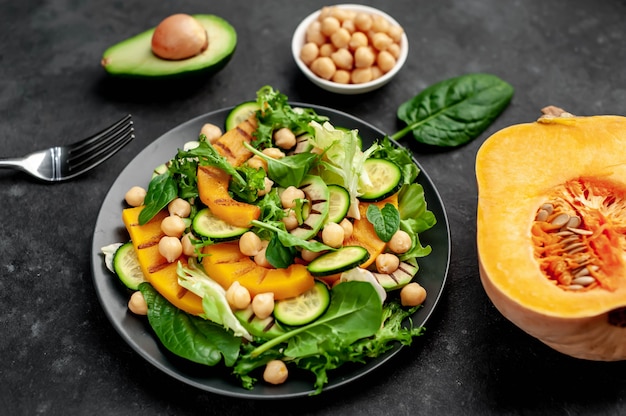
(575, 164)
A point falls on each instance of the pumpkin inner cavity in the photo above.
(579, 234)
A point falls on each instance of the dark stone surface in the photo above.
(60, 355)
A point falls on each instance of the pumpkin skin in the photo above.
(517, 170)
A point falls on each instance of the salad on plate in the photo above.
(278, 244)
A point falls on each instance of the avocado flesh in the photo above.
(133, 57)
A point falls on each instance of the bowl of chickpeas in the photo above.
(349, 48)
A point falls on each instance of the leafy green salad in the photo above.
(325, 272)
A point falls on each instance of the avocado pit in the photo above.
(179, 36)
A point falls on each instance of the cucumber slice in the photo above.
(206, 224)
(401, 277)
(385, 177)
(262, 328)
(316, 191)
(126, 266)
(240, 113)
(340, 260)
(339, 203)
(304, 308)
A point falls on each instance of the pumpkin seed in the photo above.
(583, 280)
(560, 220)
(573, 222)
(575, 287)
(549, 208)
(580, 231)
(542, 215)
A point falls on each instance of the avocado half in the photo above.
(133, 57)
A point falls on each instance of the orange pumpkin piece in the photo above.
(363, 233)
(158, 272)
(231, 144)
(551, 231)
(213, 190)
(225, 264)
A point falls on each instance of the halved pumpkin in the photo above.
(551, 231)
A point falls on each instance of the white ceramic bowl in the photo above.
(298, 41)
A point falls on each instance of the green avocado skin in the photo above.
(133, 57)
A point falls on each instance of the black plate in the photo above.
(136, 331)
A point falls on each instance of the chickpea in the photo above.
(400, 242)
(361, 75)
(387, 263)
(211, 132)
(273, 152)
(329, 25)
(379, 24)
(395, 32)
(327, 49)
(348, 228)
(135, 196)
(381, 41)
(376, 72)
(349, 26)
(179, 207)
(364, 57)
(289, 196)
(284, 138)
(171, 248)
(357, 40)
(341, 76)
(363, 21)
(340, 38)
(173, 226)
(309, 52)
(385, 61)
(250, 244)
(189, 249)
(263, 304)
(412, 294)
(324, 67)
(257, 162)
(394, 50)
(314, 34)
(342, 14)
(275, 372)
(268, 186)
(343, 59)
(137, 304)
(260, 257)
(325, 12)
(290, 220)
(238, 297)
(332, 235)
(308, 255)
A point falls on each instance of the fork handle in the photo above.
(12, 163)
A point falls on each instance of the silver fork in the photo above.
(60, 163)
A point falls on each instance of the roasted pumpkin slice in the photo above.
(161, 274)
(363, 233)
(225, 264)
(551, 231)
(213, 190)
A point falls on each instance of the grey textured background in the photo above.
(58, 352)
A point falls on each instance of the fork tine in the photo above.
(87, 157)
(123, 122)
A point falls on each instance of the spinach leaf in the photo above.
(189, 336)
(385, 221)
(161, 191)
(289, 170)
(279, 255)
(454, 111)
(355, 312)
